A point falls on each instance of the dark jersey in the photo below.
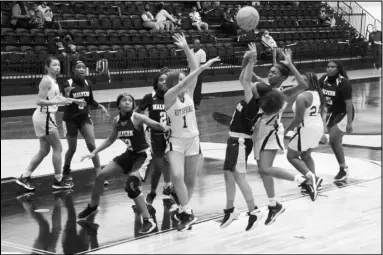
(134, 139)
(244, 117)
(335, 92)
(75, 111)
(156, 108)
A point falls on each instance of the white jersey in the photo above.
(53, 94)
(312, 114)
(182, 118)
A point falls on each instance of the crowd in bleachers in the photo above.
(139, 30)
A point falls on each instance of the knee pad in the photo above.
(132, 187)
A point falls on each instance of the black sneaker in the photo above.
(147, 226)
(274, 212)
(313, 192)
(319, 181)
(229, 216)
(26, 182)
(186, 221)
(254, 218)
(106, 183)
(175, 197)
(150, 197)
(168, 203)
(177, 215)
(151, 210)
(168, 191)
(342, 175)
(87, 213)
(62, 184)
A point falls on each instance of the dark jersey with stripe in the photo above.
(244, 117)
(335, 91)
(134, 139)
(156, 107)
(75, 111)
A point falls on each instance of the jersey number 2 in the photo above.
(163, 118)
(313, 111)
(128, 143)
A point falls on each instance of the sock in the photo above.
(66, 169)
(168, 184)
(186, 209)
(58, 177)
(26, 174)
(343, 167)
(230, 210)
(310, 176)
(299, 178)
(272, 201)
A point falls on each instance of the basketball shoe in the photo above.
(254, 218)
(148, 225)
(319, 181)
(186, 221)
(26, 182)
(88, 212)
(342, 174)
(63, 184)
(274, 212)
(150, 197)
(313, 192)
(229, 216)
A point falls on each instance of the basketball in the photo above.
(247, 18)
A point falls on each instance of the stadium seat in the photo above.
(10, 37)
(116, 22)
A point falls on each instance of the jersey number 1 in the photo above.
(184, 117)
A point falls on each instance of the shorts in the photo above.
(268, 138)
(187, 146)
(158, 144)
(237, 152)
(44, 123)
(339, 119)
(306, 137)
(73, 126)
(131, 161)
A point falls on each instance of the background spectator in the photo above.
(200, 57)
(196, 20)
(164, 18)
(324, 19)
(375, 38)
(228, 23)
(149, 21)
(35, 20)
(47, 14)
(20, 15)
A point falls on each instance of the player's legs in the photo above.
(306, 157)
(336, 138)
(87, 131)
(191, 170)
(230, 189)
(177, 162)
(247, 192)
(71, 137)
(294, 158)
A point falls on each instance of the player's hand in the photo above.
(64, 101)
(252, 47)
(88, 156)
(104, 111)
(180, 41)
(349, 128)
(210, 62)
(165, 128)
(287, 54)
(323, 139)
(80, 102)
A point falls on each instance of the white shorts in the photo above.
(44, 123)
(306, 137)
(187, 146)
(268, 139)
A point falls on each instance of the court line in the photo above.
(220, 216)
(25, 248)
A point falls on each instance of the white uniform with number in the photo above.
(308, 134)
(184, 135)
(44, 119)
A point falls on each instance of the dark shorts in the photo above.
(73, 126)
(131, 161)
(338, 118)
(158, 144)
(237, 152)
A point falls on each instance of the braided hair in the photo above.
(313, 84)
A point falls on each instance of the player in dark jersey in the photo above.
(337, 92)
(77, 117)
(127, 126)
(154, 103)
(239, 147)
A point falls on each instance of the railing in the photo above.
(356, 16)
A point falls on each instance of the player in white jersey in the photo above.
(183, 147)
(308, 129)
(45, 126)
(268, 135)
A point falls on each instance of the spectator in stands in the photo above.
(35, 20)
(324, 19)
(149, 21)
(164, 18)
(268, 41)
(196, 20)
(200, 58)
(20, 15)
(228, 23)
(47, 14)
(375, 38)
